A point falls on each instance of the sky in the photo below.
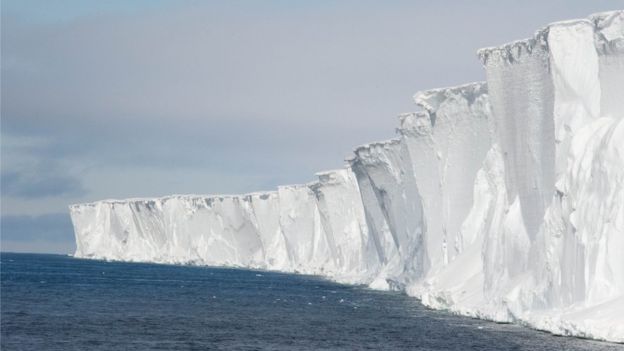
(115, 99)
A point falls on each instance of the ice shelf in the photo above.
(501, 200)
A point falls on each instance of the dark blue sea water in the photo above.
(52, 302)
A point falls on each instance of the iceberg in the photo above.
(501, 199)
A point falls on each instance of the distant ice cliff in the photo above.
(501, 200)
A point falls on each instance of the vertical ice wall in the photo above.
(609, 281)
(264, 213)
(447, 144)
(567, 196)
(299, 218)
(394, 212)
(542, 90)
(584, 216)
(316, 228)
(521, 95)
(186, 229)
(343, 219)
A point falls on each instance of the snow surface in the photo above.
(501, 200)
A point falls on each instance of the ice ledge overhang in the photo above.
(609, 32)
(187, 197)
(431, 99)
(607, 26)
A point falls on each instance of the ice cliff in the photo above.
(501, 200)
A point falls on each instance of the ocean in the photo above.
(54, 302)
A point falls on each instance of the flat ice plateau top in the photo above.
(501, 200)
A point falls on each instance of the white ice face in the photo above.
(501, 200)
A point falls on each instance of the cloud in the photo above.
(44, 180)
(54, 230)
